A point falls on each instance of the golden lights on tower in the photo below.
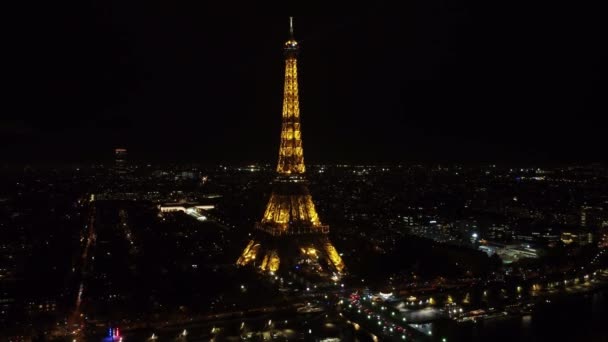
(284, 209)
(249, 253)
(290, 210)
(291, 153)
(334, 256)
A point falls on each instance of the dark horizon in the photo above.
(456, 82)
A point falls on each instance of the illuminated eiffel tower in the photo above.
(290, 233)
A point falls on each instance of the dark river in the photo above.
(582, 317)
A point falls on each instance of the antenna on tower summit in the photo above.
(291, 26)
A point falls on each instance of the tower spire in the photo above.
(291, 155)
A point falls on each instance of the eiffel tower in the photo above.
(290, 233)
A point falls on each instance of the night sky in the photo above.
(431, 81)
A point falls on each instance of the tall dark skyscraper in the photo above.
(120, 159)
(290, 232)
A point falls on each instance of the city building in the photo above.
(510, 253)
(120, 159)
(578, 236)
(593, 217)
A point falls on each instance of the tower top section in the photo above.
(291, 27)
(291, 45)
(291, 154)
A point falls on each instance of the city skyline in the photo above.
(454, 155)
(438, 83)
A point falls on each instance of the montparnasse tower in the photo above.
(290, 233)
